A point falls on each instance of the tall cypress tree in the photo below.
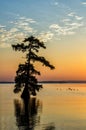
(26, 73)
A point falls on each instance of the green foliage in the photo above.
(26, 73)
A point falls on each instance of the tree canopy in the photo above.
(26, 73)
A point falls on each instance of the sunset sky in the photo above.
(61, 24)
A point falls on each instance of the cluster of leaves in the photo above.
(25, 75)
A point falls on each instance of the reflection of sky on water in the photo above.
(55, 107)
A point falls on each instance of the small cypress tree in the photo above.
(26, 73)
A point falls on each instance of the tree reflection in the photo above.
(27, 113)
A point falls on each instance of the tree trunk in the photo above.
(25, 94)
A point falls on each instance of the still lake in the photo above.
(56, 107)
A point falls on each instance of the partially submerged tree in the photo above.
(26, 73)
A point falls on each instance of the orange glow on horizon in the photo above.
(69, 65)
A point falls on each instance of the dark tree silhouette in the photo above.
(26, 73)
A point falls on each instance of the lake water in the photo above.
(56, 107)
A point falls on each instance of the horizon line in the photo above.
(51, 81)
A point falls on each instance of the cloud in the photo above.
(66, 20)
(45, 36)
(75, 25)
(17, 31)
(56, 3)
(68, 29)
(58, 29)
(69, 25)
(29, 20)
(55, 26)
(78, 17)
(24, 24)
(13, 30)
(83, 3)
(21, 27)
(1, 26)
(71, 14)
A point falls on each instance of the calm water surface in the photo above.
(56, 107)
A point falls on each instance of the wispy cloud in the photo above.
(75, 25)
(55, 2)
(67, 29)
(28, 20)
(45, 36)
(61, 31)
(78, 17)
(21, 27)
(66, 20)
(1, 26)
(83, 3)
(18, 30)
(68, 23)
(71, 14)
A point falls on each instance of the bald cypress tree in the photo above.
(26, 73)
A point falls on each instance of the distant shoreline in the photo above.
(62, 82)
(6, 82)
(46, 82)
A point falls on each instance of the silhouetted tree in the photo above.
(25, 75)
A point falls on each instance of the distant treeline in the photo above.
(63, 82)
(6, 82)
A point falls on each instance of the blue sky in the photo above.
(61, 24)
(49, 17)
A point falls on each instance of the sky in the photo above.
(60, 24)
